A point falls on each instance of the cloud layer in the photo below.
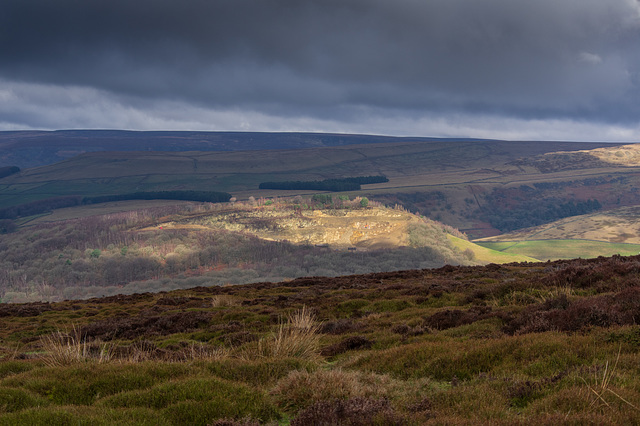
(432, 68)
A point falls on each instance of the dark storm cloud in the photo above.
(566, 59)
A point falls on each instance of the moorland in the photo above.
(534, 343)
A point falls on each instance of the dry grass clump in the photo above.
(298, 338)
(202, 352)
(70, 348)
(62, 349)
(602, 387)
(303, 319)
(223, 300)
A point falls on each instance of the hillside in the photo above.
(545, 343)
(597, 234)
(185, 245)
(616, 226)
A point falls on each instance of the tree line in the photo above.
(8, 171)
(333, 185)
(46, 205)
(536, 212)
(201, 196)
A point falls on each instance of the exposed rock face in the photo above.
(369, 228)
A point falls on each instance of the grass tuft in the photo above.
(602, 386)
(223, 300)
(69, 348)
(298, 338)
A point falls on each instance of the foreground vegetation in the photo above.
(547, 343)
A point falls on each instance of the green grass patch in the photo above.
(9, 368)
(562, 249)
(84, 384)
(257, 373)
(488, 254)
(442, 358)
(198, 400)
(94, 416)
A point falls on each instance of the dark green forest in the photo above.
(49, 204)
(8, 171)
(334, 185)
(524, 207)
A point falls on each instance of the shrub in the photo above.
(353, 412)
(301, 389)
(450, 318)
(348, 344)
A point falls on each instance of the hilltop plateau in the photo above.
(28, 149)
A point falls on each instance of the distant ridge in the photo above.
(27, 149)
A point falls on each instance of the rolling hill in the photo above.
(598, 234)
(185, 245)
(354, 313)
(462, 183)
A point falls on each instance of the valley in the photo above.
(434, 298)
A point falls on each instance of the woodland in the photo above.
(128, 253)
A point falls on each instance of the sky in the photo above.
(504, 69)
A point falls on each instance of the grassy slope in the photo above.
(621, 225)
(562, 249)
(537, 344)
(487, 254)
(603, 233)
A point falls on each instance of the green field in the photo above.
(485, 254)
(562, 249)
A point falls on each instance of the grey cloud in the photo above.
(569, 59)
